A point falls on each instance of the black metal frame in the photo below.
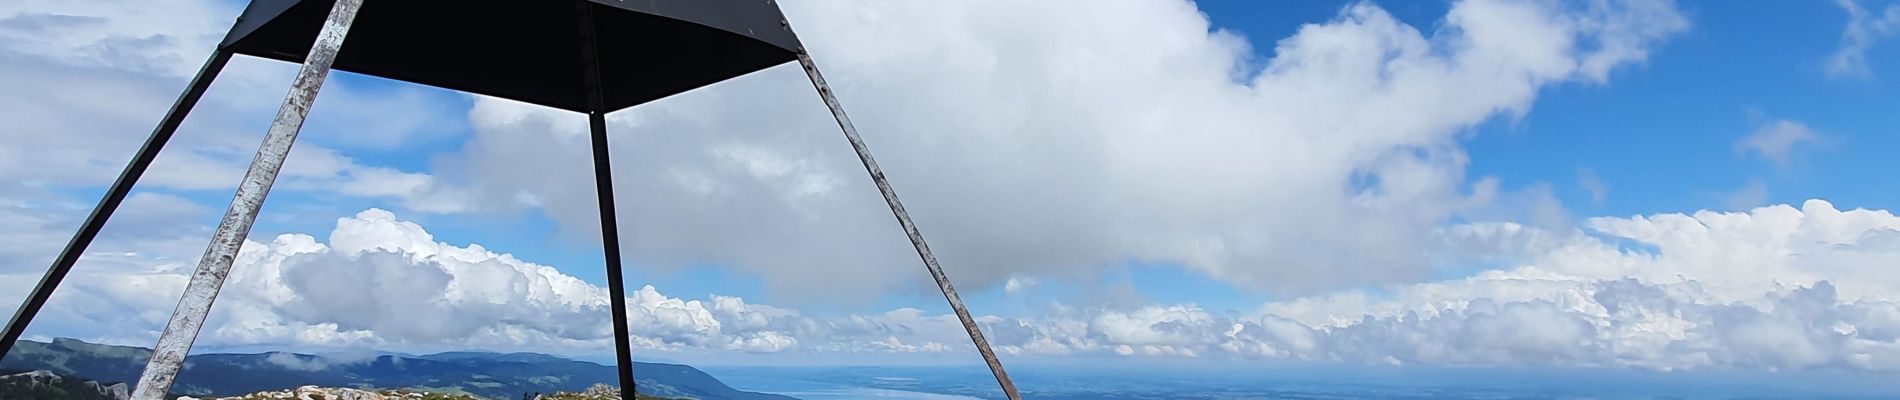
(604, 194)
(596, 110)
(200, 83)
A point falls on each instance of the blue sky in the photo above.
(1648, 134)
(1654, 135)
(1654, 138)
(1213, 180)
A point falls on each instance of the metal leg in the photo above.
(903, 218)
(168, 356)
(610, 240)
(115, 195)
(604, 190)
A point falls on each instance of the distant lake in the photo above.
(1302, 382)
(776, 381)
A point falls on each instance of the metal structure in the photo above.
(588, 56)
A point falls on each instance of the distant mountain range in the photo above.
(494, 375)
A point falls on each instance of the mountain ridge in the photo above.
(486, 374)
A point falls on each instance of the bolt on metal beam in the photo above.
(168, 356)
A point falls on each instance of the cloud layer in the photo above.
(1062, 137)
(1865, 28)
(1772, 288)
(102, 73)
(1133, 131)
(1122, 131)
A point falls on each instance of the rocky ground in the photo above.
(46, 385)
(597, 392)
(323, 393)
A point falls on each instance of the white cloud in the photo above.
(1772, 288)
(1864, 29)
(384, 283)
(1055, 139)
(90, 79)
(1752, 193)
(1592, 184)
(1779, 141)
(293, 362)
(149, 229)
(1625, 323)
(320, 169)
(162, 38)
(381, 282)
(1733, 254)
(1018, 285)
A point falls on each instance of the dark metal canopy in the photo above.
(524, 50)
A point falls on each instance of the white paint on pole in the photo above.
(169, 355)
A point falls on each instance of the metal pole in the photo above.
(114, 196)
(169, 354)
(604, 193)
(903, 218)
(610, 240)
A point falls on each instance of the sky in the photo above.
(1649, 185)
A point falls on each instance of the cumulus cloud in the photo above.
(1775, 287)
(1057, 138)
(1538, 320)
(1017, 285)
(381, 282)
(388, 281)
(1624, 322)
(1134, 131)
(1772, 287)
(1864, 29)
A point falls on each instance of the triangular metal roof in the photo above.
(526, 50)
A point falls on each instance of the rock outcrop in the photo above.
(46, 384)
(115, 391)
(323, 393)
(597, 392)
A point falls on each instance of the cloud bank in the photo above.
(100, 75)
(1131, 130)
(1773, 288)
(1123, 131)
